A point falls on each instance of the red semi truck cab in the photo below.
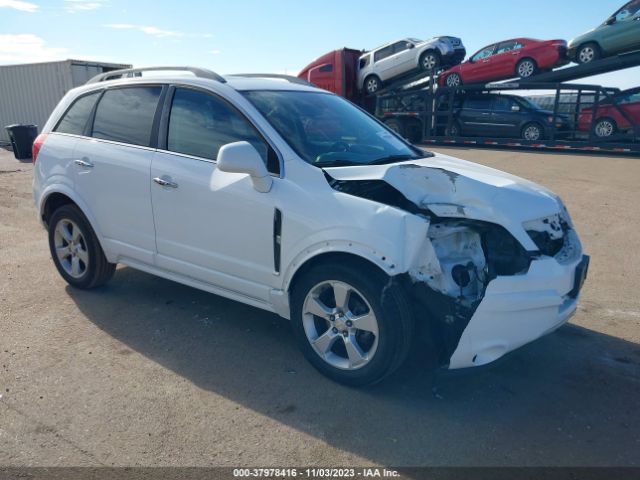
(336, 72)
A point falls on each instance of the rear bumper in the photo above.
(519, 309)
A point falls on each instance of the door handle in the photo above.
(83, 163)
(164, 182)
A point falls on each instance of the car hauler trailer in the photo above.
(416, 108)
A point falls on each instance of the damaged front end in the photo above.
(449, 274)
(460, 258)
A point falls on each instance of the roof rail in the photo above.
(131, 72)
(288, 78)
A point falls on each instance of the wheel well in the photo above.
(372, 75)
(52, 203)
(341, 258)
(590, 42)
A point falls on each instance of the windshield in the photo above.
(325, 130)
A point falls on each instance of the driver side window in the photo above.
(484, 53)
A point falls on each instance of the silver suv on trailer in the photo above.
(269, 191)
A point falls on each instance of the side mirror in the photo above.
(410, 46)
(242, 157)
(610, 21)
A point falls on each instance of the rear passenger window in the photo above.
(76, 118)
(126, 115)
(200, 124)
(478, 103)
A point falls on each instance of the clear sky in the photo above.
(275, 35)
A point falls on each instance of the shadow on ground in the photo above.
(570, 398)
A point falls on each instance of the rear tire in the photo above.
(76, 251)
(353, 353)
(526, 68)
(532, 131)
(605, 127)
(372, 84)
(587, 53)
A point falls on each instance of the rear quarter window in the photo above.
(126, 115)
(76, 117)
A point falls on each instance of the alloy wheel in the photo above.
(453, 80)
(372, 85)
(532, 132)
(429, 61)
(526, 69)
(586, 54)
(71, 248)
(604, 128)
(340, 325)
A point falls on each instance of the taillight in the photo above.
(37, 145)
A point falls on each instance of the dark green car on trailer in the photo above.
(618, 34)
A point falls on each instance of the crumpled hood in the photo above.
(451, 187)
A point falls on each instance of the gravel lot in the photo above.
(149, 372)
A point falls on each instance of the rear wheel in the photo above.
(587, 53)
(352, 323)
(532, 131)
(430, 60)
(372, 84)
(75, 249)
(526, 68)
(605, 128)
(453, 80)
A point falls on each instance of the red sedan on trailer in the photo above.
(519, 57)
(619, 113)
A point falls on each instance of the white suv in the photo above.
(396, 59)
(288, 198)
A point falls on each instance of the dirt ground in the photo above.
(145, 371)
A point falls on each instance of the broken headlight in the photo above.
(547, 233)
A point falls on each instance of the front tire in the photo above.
(76, 251)
(352, 322)
(453, 80)
(532, 132)
(429, 61)
(587, 53)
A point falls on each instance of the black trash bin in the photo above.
(22, 137)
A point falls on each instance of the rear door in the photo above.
(112, 170)
(475, 115)
(383, 62)
(505, 59)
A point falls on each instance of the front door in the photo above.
(210, 225)
(481, 66)
(624, 33)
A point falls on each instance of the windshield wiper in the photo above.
(337, 163)
(396, 158)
